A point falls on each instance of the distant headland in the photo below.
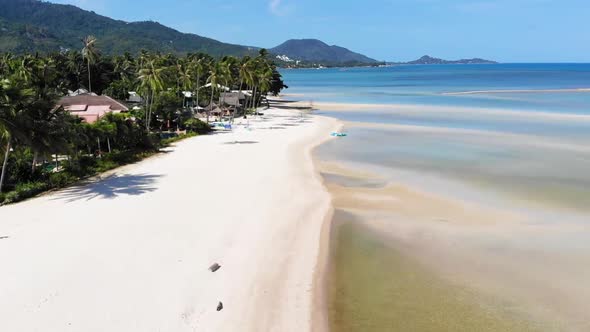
(428, 60)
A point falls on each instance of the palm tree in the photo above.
(150, 77)
(14, 97)
(184, 79)
(199, 66)
(216, 75)
(254, 80)
(90, 53)
(144, 56)
(74, 65)
(244, 74)
(261, 77)
(249, 78)
(225, 77)
(266, 79)
(45, 79)
(125, 66)
(24, 67)
(46, 128)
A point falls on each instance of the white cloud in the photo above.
(279, 8)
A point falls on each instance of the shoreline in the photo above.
(449, 243)
(320, 318)
(109, 239)
(369, 210)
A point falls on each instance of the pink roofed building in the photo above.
(91, 107)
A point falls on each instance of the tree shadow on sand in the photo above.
(110, 187)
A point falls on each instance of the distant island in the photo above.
(288, 62)
(310, 53)
(428, 60)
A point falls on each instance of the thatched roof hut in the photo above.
(212, 107)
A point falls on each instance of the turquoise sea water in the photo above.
(533, 140)
(430, 85)
(509, 141)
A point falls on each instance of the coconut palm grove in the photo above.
(44, 146)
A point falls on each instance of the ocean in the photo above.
(431, 85)
(475, 175)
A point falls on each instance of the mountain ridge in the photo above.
(28, 26)
(316, 51)
(31, 25)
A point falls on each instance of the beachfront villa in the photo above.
(91, 107)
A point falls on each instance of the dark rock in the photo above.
(214, 267)
(220, 306)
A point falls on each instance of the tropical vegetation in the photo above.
(43, 146)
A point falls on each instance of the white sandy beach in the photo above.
(132, 252)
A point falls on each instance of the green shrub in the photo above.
(23, 191)
(87, 162)
(168, 141)
(82, 166)
(19, 169)
(123, 157)
(61, 179)
(197, 126)
(105, 164)
(11, 197)
(150, 142)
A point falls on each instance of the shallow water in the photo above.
(536, 146)
(381, 290)
(532, 268)
(487, 191)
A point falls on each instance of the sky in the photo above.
(389, 30)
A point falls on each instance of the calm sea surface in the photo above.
(521, 129)
(479, 195)
(430, 85)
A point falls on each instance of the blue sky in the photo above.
(502, 30)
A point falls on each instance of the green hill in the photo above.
(31, 25)
(313, 50)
